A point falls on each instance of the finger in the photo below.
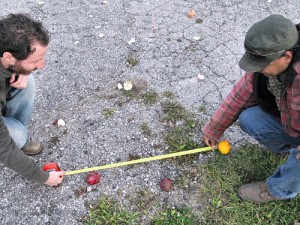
(205, 140)
(298, 156)
(215, 145)
(12, 78)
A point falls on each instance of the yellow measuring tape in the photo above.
(188, 152)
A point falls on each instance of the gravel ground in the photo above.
(91, 43)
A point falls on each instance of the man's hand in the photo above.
(55, 178)
(19, 81)
(209, 142)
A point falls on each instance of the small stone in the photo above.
(131, 41)
(101, 35)
(197, 38)
(120, 86)
(199, 20)
(104, 2)
(89, 189)
(200, 77)
(61, 122)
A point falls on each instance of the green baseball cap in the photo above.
(266, 41)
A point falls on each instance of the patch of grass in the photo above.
(144, 201)
(173, 111)
(202, 108)
(169, 94)
(145, 129)
(132, 61)
(224, 175)
(134, 93)
(107, 112)
(175, 217)
(149, 97)
(180, 136)
(108, 212)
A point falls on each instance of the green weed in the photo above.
(173, 111)
(168, 94)
(107, 112)
(145, 129)
(109, 212)
(175, 217)
(149, 97)
(132, 61)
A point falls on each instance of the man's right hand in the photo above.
(55, 178)
(209, 142)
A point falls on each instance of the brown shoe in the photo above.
(33, 147)
(257, 193)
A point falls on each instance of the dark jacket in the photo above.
(11, 156)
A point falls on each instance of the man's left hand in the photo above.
(19, 81)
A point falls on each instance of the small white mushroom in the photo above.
(61, 122)
(127, 85)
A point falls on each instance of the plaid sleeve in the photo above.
(240, 98)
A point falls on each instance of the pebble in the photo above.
(200, 76)
(199, 20)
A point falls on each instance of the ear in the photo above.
(288, 55)
(8, 58)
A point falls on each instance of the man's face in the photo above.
(276, 67)
(34, 61)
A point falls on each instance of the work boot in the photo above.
(33, 147)
(257, 193)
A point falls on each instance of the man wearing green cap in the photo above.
(266, 100)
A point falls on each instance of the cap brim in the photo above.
(253, 64)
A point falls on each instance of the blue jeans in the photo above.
(268, 130)
(17, 112)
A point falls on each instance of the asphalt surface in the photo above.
(88, 53)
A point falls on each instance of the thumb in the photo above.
(12, 78)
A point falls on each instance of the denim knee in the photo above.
(245, 121)
(17, 131)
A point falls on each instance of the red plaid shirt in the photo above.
(241, 97)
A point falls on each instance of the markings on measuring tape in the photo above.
(149, 159)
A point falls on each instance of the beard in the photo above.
(19, 69)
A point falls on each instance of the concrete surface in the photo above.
(87, 58)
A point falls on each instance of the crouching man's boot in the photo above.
(33, 147)
(257, 193)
